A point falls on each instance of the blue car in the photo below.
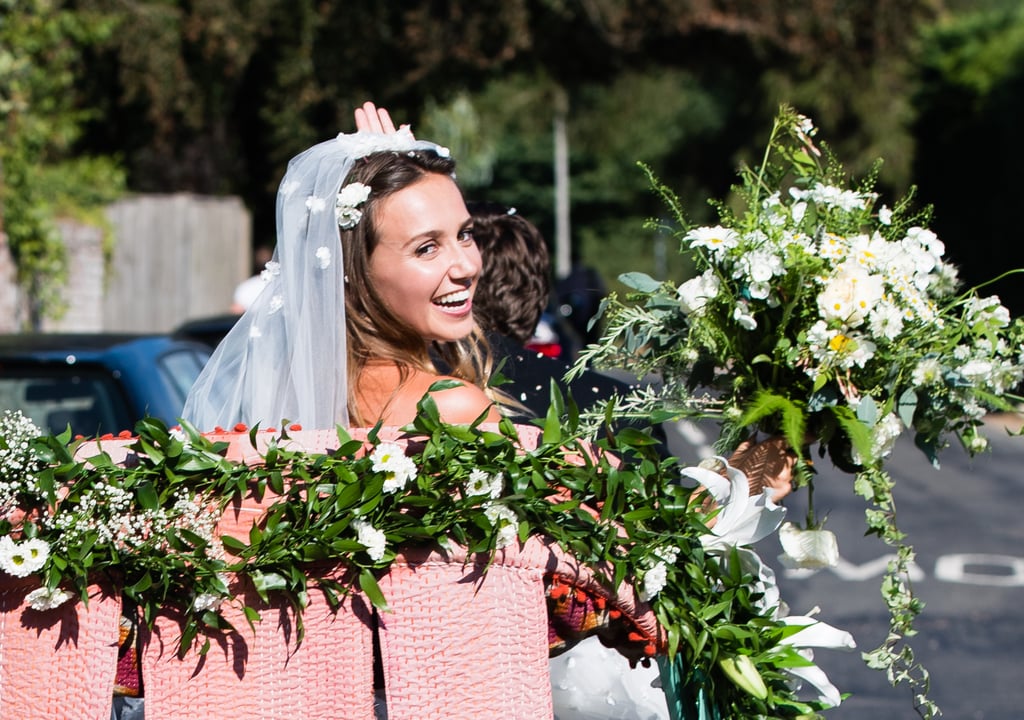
(97, 383)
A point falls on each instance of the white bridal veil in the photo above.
(285, 358)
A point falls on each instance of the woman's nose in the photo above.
(466, 262)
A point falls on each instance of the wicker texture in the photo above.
(459, 645)
(59, 663)
(263, 672)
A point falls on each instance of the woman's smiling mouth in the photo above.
(454, 300)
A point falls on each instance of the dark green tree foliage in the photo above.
(41, 177)
(216, 95)
(970, 147)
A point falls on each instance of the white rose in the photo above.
(695, 293)
(850, 295)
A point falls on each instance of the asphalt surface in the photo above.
(964, 521)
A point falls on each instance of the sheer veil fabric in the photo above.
(285, 359)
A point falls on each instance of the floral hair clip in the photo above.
(349, 199)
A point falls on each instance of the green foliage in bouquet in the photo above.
(823, 315)
(147, 526)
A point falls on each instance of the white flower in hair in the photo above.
(350, 197)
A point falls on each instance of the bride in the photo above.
(373, 275)
(375, 268)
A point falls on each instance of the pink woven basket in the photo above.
(59, 663)
(455, 642)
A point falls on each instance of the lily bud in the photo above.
(742, 671)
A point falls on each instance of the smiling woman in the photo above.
(373, 275)
(411, 272)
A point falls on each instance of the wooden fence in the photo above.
(176, 257)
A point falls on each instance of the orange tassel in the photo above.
(558, 591)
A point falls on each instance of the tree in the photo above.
(970, 149)
(216, 95)
(40, 179)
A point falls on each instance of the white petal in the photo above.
(718, 486)
(808, 548)
(827, 692)
(817, 634)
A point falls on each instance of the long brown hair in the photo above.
(374, 331)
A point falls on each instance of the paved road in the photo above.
(965, 522)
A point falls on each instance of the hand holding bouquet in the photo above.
(821, 314)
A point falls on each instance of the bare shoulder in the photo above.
(462, 402)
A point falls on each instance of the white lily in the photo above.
(742, 519)
(814, 633)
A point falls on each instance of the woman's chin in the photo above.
(452, 328)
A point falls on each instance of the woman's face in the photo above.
(426, 263)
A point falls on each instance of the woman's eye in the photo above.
(467, 236)
(426, 249)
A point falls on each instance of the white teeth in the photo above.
(454, 298)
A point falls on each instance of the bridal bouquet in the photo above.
(819, 313)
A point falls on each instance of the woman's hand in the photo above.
(373, 119)
(767, 464)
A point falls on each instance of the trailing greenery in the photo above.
(821, 314)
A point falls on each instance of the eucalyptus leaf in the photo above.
(640, 281)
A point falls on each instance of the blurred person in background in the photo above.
(249, 289)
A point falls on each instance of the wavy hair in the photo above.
(375, 332)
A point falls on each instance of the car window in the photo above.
(56, 396)
(181, 368)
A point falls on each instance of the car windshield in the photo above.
(88, 400)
